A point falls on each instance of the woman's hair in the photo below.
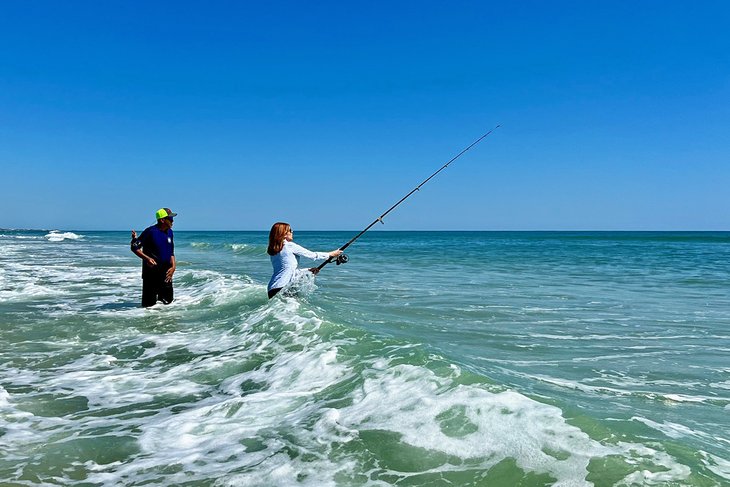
(276, 237)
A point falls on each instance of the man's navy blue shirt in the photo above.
(159, 245)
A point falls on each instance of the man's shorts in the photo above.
(154, 288)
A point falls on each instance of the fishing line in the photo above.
(342, 258)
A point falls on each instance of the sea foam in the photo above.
(58, 236)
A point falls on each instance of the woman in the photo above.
(285, 256)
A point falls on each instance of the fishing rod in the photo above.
(342, 258)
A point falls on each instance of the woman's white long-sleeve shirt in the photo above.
(285, 263)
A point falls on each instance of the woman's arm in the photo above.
(301, 251)
(297, 249)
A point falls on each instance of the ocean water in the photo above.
(430, 359)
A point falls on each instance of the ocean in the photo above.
(430, 359)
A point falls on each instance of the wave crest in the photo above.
(58, 236)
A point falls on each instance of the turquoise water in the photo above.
(430, 359)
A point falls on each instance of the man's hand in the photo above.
(168, 275)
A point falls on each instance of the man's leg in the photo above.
(165, 290)
(149, 292)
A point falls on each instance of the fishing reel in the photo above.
(341, 259)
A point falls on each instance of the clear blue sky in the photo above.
(615, 115)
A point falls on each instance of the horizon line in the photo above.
(380, 230)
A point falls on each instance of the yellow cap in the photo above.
(164, 213)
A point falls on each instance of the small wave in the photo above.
(58, 236)
(616, 391)
(237, 247)
(200, 245)
(241, 248)
(672, 430)
(21, 237)
(684, 398)
(28, 291)
(200, 289)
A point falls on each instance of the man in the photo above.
(156, 248)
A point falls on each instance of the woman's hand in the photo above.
(313, 270)
(335, 253)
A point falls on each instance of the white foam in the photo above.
(22, 237)
(672, 472)
(605, 390)
(219, 289)
(717, 465)
(302, 285)
(98, 290)
(21, 281)
(58, 236)
(408, 400)
(277, 405)
(211, 431)
(109, 386)
(28, 291)
(4, 396)
(21, 428)
(673, 430)
(685, 398)
(575, 385)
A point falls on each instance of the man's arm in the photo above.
(171, 270)
(136, 246)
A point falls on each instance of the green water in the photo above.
(431, 358)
